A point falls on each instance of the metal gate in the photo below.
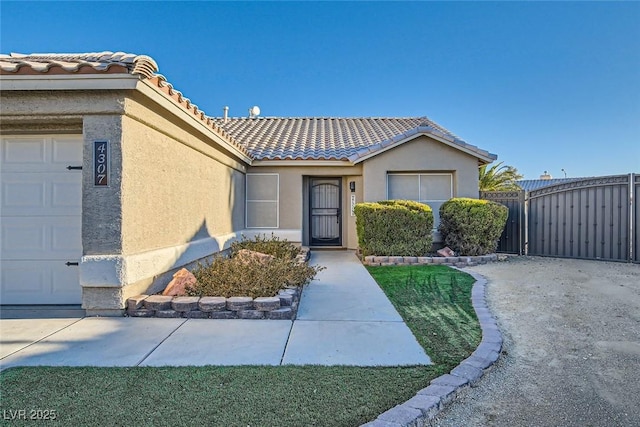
(593, 218)
(513, 237)
(582, 219)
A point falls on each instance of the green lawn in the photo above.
(433, 300)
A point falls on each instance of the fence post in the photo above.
(525, 223)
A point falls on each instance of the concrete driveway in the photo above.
(572, 346)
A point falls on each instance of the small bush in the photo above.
(394, 227)
(257, 277)
(471, 226)
(267, 245)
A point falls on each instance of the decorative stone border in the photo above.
(429, 401)
(457, 261)
(282, 306)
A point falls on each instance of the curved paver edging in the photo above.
(429, 401)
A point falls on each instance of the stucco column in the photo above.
(102, 220)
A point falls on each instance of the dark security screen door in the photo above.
(325, 211)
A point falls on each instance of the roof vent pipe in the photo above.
(225, 114)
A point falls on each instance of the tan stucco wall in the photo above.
(176, 187)
(418, 155)
(38, 106)
(292, 190)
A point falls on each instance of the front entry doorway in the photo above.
(325, 210)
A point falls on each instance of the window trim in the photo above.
(418, 174)
(247, 201)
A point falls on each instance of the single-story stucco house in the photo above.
(112, 180)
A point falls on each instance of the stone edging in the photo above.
(429, 401)
(457, 261)
(282, 306)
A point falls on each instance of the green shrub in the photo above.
(471, 226)
(267, 245)
(394, 227)
(228, 277)
(251, 276)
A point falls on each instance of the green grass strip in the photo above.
(433, 300)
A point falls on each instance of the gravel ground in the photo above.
(571, 355)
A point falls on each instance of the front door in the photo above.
(325, 209)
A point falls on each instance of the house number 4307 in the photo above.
(101, 163)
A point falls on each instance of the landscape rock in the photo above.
(182, 279)
(446, 252)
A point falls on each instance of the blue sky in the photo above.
(546, 86)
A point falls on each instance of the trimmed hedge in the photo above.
(471, 226)
(394, 227)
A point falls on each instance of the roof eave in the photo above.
(151, 90)
(68, 81)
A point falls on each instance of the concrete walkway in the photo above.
(344, 318)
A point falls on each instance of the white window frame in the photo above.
(277, 201)
(419, 174)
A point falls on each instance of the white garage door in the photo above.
(40, 219)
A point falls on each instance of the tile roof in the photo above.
(42, 64)
(81, 63)
(330, 138)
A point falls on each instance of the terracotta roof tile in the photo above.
(107, 62)
(78, 63)
(330, 138)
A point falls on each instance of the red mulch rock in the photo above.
(182, 279)
(446, 252)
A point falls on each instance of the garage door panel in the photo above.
(40, 154)
(18, 153)
(48, 283)
(31, 280)
(66, 239)
(18, 195)
(66, 152)
(64, 191)
(50, 238)
(20, 240)
(41, 194)
(40, 219)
